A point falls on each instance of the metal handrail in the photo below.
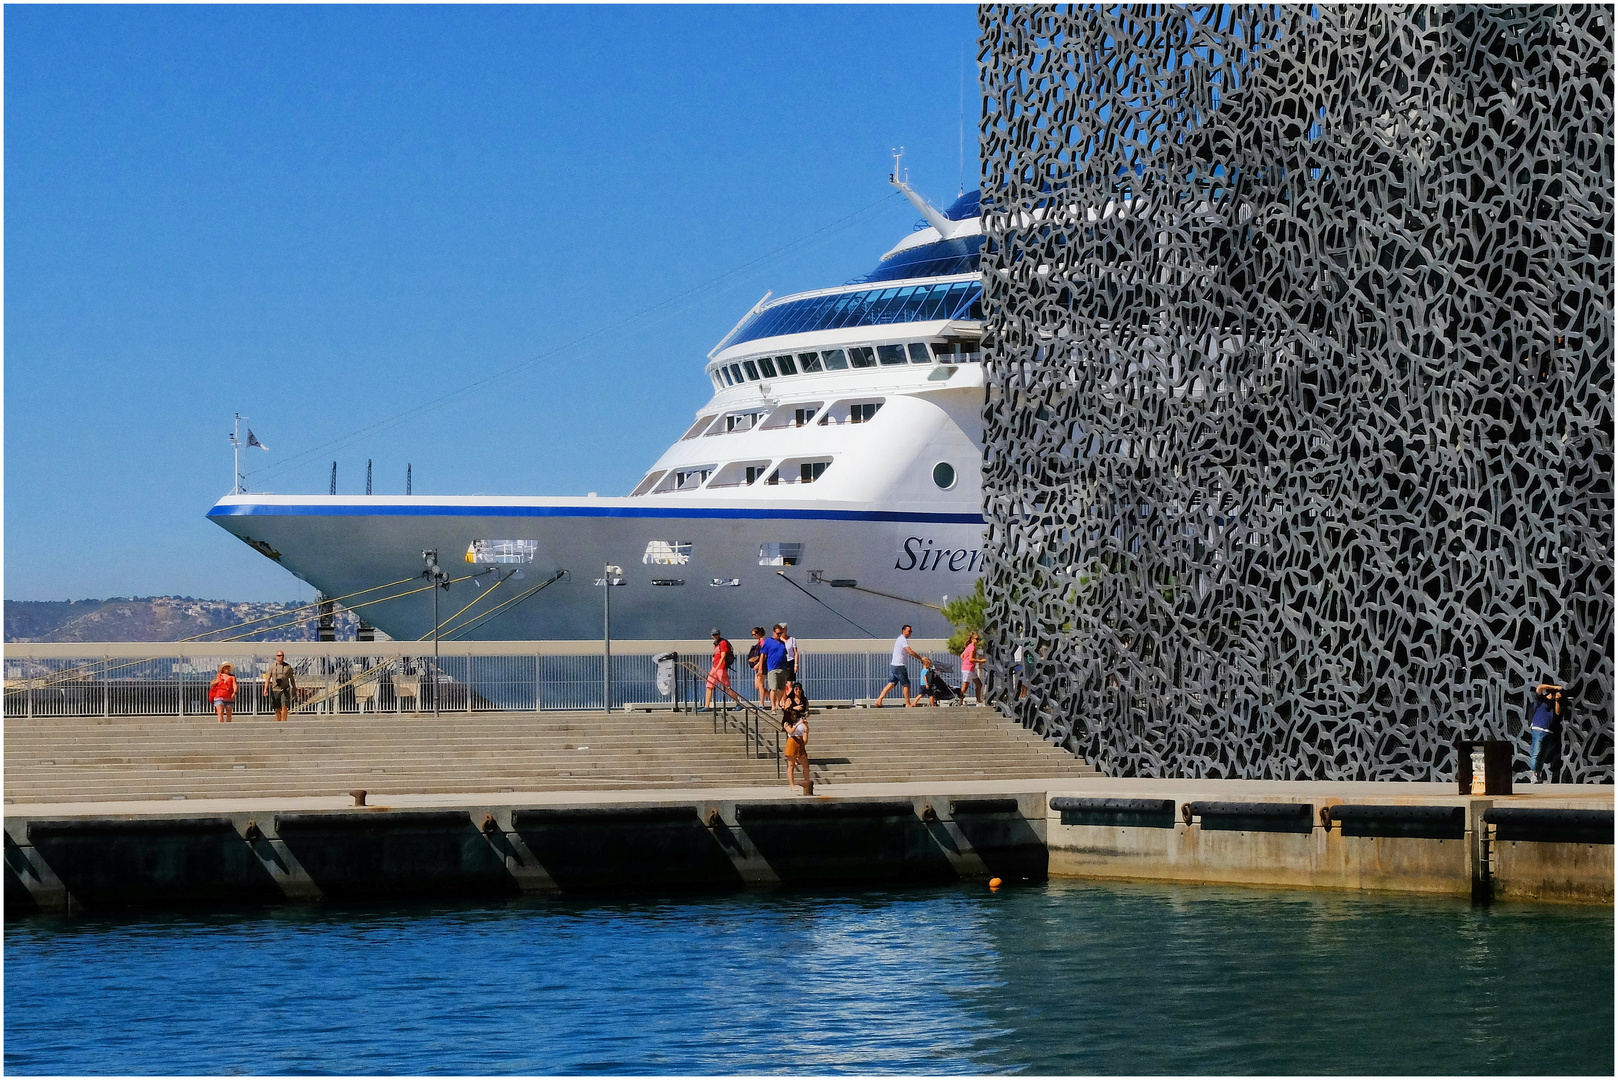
(761, 735)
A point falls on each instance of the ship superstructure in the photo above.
(831, 481)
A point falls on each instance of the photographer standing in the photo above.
(1542, 727)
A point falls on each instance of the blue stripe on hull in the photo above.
(349, 510)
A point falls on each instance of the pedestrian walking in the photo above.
(1542, 728)
(901, 673)
(755, 660)
(794, 670)
(724, 658)
(795, 722)
(280, 685)
(969, 668)
(222, 693)
(774, 654)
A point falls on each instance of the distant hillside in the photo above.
(158, 618)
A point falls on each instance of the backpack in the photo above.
(730, 653)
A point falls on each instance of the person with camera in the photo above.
(1542, 728)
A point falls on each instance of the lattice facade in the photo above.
(1300, 342)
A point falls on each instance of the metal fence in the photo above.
(394, 683)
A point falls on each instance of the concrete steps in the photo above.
(100, 758)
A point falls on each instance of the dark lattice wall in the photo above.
(1300, 417)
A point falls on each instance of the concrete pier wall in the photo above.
(85, 858)
(104, 862)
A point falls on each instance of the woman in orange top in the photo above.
(222, 693)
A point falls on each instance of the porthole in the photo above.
(944, 475)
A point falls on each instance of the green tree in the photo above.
(966, 614)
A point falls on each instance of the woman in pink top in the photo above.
(969, 668)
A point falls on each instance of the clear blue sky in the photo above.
(324, 216)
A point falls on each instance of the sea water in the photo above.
(1059, 978)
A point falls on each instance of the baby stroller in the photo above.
(934, 687)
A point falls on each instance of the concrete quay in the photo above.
(76, 855)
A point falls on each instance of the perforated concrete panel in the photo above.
(1300, 417)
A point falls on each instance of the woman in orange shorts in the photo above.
(795, 722)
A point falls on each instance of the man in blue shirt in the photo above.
(774, 653)
(1547, 711)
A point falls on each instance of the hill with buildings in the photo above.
(165, 618)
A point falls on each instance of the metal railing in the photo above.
(396, 678)
(760, 731)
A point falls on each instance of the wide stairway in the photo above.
(62, 759)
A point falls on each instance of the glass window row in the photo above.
(867, 307)
(758, 368)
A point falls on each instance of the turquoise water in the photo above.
(1050, 979)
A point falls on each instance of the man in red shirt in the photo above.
(719, 673)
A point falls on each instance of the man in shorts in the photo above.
(719, 670)
(792, 673)
(280, 685)
(773, 657)
(901, 673)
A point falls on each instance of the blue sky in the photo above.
(323, 217)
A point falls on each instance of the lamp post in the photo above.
(436, 576)
(611, 577)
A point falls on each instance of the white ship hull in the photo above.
(343, 545)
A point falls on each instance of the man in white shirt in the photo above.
(901, 673)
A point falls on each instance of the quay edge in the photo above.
(72, 857)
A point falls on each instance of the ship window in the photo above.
(862, 356)
(697, 428)
(726, 373)
(685, 479)
(501, 552)
(835, 360)
(647, 484)
(718, 380)
(785, 366)
(944, 475)
(738, 474)
(944, 351)
(855, 412)
(667, 553)
(891, 354)
(752, 372)
(766, 365)
(810, 471)
(737, 422)
(794, 416)
(918, 353)
(736, 373)
(810, 362)
(776, 553)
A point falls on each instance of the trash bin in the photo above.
(665, 672)
(1483, 766)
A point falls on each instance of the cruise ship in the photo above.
(831, 482)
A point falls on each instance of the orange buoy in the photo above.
(994, 883)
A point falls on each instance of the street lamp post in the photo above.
(436, 576)
(612, 576)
